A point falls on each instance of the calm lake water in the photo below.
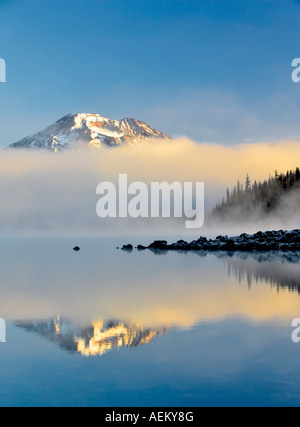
(104, 327)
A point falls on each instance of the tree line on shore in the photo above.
(252, 196)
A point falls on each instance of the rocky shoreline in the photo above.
(261, 241)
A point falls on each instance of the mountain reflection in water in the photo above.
(187, 329)
(95, 339)
(281, 270)
(41, 277)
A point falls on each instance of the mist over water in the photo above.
(48, 193)
(101, 325)
(44, 277)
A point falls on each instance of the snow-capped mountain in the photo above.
(75, 130)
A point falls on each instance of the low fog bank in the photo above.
(55, 193)
(284, 216)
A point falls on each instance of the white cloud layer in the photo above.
(44, 192)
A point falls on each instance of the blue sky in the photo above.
(213, 70)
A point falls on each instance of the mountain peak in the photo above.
(93, 130)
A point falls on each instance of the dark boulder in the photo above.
(128, 247)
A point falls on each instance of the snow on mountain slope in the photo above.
(75, 130)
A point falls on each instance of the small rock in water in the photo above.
(76, 249)
(127, 247)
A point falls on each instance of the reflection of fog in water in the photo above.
(280, 269)
(94, 339)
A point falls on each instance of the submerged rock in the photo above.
(76, 249)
